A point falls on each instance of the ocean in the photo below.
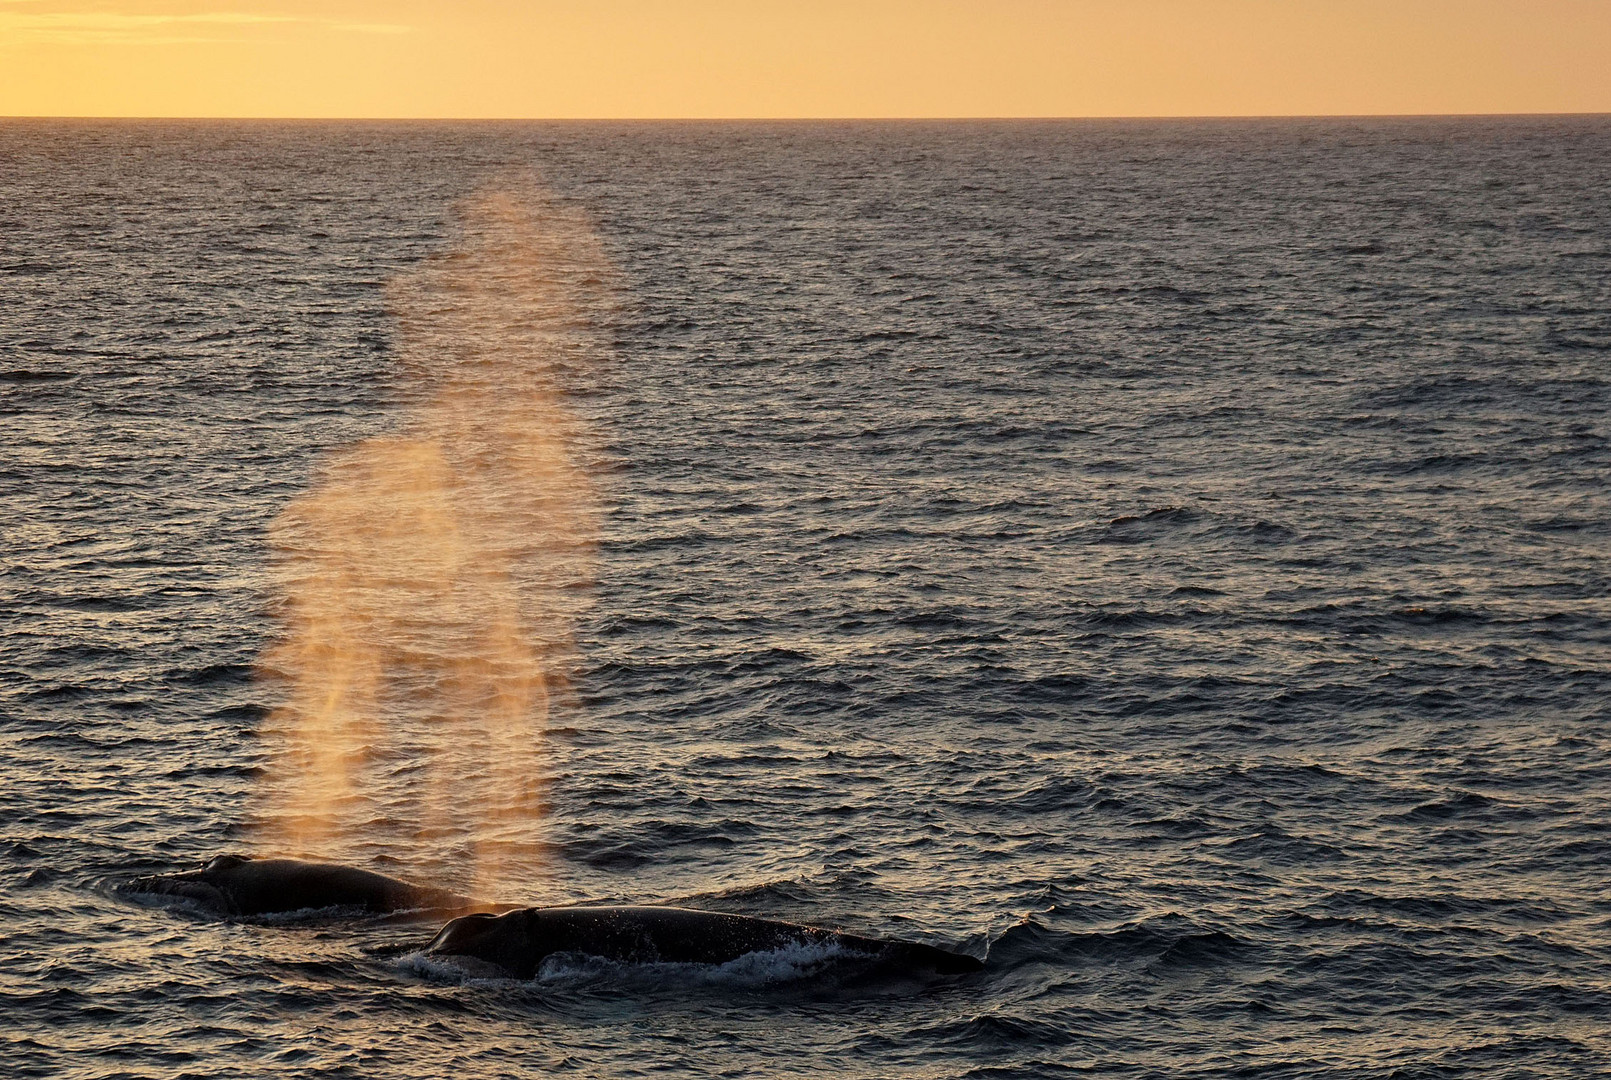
(1170, 560)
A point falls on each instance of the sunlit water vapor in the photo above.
(431, 577)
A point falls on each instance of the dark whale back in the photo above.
(517, 942)
(241, 885)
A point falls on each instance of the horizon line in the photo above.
(812, 119)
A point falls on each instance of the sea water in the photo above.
(1171, 560)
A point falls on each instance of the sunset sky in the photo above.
(822, 58)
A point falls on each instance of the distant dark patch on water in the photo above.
(25, 375)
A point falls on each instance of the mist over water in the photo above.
(432, 577)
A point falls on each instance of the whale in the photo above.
(515, 943)
(240, 885)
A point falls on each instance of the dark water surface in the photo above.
(1170, 559)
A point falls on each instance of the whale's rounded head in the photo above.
(492, 945)
(464, 934)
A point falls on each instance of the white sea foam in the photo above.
(575, 969)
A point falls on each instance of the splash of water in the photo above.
(432, 577)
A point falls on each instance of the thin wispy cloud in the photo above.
(117, 28)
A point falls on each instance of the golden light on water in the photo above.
(432, 576)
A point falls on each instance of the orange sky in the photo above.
(772, 58)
